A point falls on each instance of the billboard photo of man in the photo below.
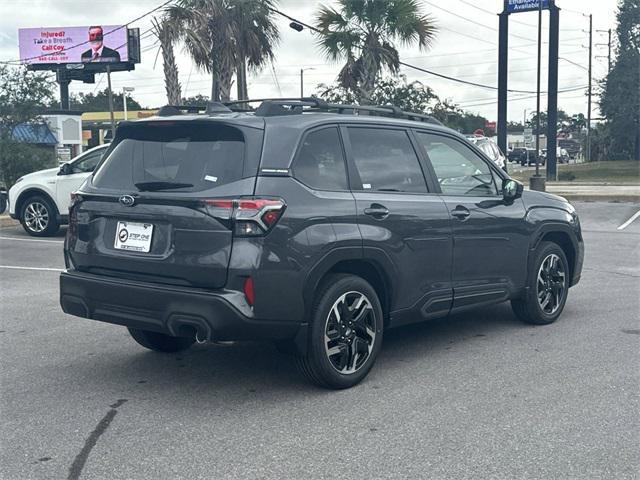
(98, 51)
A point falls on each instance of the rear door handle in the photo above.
(377, 211)
(460, 212)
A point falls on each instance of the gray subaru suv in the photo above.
(317, 226)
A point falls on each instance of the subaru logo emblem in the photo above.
(127, 200)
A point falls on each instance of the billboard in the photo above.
(91, 44)
(514, 6)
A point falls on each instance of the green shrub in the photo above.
(18, 159)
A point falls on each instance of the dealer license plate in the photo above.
(135, 237)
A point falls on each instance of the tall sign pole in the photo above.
(588, 156)
(538, 90)
(515, 6)
(503, 58)
(552, 89)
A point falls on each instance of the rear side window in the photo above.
(386, 160)
(194, 156)
(320, 161)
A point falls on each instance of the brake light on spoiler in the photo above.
(249, 216)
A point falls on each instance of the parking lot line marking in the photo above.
(630, 221)
(31, 240)
(42, 269)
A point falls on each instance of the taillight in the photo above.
(248, 290)
(250, 216)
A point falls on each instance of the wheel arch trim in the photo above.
(375, 258)
(31, 192)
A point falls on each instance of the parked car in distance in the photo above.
(517, 155)
(571, 146)
(489, 148)
(308, 225)
(561, 155)
(40, 200)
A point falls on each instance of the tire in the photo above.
(3, 203)
(348, 365)
(38, 217)
(159, 342)
(544, 299)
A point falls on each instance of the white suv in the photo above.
(40, 200)
(490, 149)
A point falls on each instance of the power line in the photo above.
(513, 20)
(472, 21)
(408, 65)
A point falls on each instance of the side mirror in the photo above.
(65, 169)
(511, 189)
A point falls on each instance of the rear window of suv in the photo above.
(173, 156)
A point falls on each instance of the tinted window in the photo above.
(320, 161)
(385, 160)
(459, 170)
(88, 163)
(202, 155)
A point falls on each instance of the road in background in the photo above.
(478, 395)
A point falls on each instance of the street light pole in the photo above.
(302, 80)
(124, 99)
(113, 121)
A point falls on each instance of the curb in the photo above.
(577, 197)
(7, 221)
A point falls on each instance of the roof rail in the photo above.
(270, 107)
(211, 108)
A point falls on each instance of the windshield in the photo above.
(182, 156)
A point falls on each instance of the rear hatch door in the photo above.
(143, 216)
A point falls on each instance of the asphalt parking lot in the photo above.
(478, 395)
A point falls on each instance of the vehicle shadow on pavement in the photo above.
(247, 372)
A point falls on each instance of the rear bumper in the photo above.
(177, 311)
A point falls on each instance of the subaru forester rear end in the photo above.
(151, 237)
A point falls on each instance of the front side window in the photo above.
(88, 163)
(320, 161)
(458, 169)
(386, 160)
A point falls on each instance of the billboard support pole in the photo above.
(64, 94)
(113, 122)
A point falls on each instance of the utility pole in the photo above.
(588, 155)
(113, 121)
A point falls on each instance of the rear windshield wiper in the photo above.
(155, 186)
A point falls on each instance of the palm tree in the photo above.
(257, 35)
(164, 31)
(223, 36)
(363, 33)
(206, 28)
